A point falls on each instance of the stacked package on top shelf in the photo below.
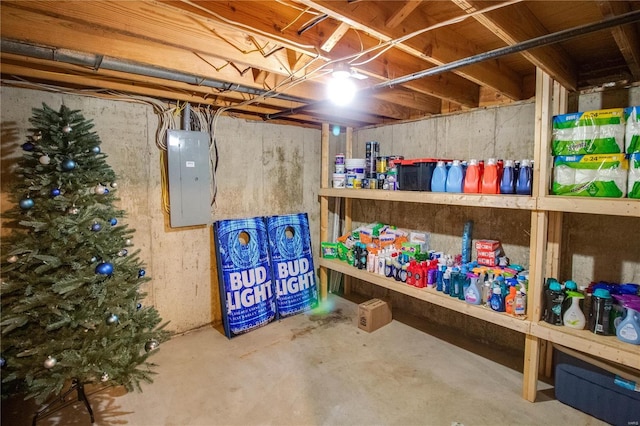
(589, 152)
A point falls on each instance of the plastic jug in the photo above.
(455, 177)
(525, 175)
(509, 301)
(490, 183)
(508, 181)
(472, 178)
(496, 301)
(573, 316)
(628, 329)
(439, 178)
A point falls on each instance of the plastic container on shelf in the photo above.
(455, 177)
(601, 306)
(525, 178)
(508, 180)
(573, 317)
(416, 175)
(439, 177)
(472, 177)
(490, 183)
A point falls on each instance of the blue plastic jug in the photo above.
(439, 178)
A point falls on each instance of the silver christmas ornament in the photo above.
(128, 242)
(44, 160)
(112, 319)
(123, 252)
(99, 189)
(67, 129)
(50, 362)
(73, 210)
(37, 136)
(104, 377)
(151, 345)
(12, 259)
(114, 184)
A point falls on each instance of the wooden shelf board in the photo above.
(518, 202)
(606, 347)
(606, 206)
(431, 296)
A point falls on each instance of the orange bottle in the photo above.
(472, 178)
(509, 301)
(490, 179)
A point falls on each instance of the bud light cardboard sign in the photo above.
(293, 271)
(246, 288)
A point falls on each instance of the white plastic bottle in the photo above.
(573, 316)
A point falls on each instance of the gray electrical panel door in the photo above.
(189, 178)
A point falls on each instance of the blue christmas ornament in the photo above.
(105, 268)
(139, 306)
(26, 203)
(28, 146)
(95, 150)
(68, 165)
(141, 273)
(3, 362)
(106, 190)
(113, 221)
(55, 192)
(96, 227)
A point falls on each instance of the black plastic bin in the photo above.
(415, 175)
(595, 391)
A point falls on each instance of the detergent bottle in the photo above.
(455, 177)
(496, 300)
(525, 176)
(573, 317)
(508, 180)
(554, 296)
(600, 312)
(628, 330)
(490, 182)
(472, 177)
(509, 301)
(439, 178)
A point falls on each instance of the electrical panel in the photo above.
(189, 178)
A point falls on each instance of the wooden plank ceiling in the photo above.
(271, 60)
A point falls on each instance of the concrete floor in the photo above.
(319, 369)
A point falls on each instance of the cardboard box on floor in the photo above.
(373, 314)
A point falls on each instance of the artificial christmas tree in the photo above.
(72, 307)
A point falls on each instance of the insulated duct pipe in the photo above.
(544, 40)
(98, 61)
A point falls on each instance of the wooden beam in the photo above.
(627, 36)
(400, 14)
(335, 37)
(436, 48)
(517, 24)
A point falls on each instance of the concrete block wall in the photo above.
(264, 169)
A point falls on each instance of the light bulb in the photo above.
(341, 90)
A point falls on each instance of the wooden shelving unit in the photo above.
(431, 296)
(545, 247)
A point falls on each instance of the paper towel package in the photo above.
(632, 132)
(591, 175)
(634, 175)
(589, 132)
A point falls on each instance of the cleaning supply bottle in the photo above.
(554, 296)
(454, 288)
(496, 301)
(628, 330)
(573, 316)
(525, 176)
(508, 180)
(509, 301)
(472, 293)
(520, 304)
(466, 241)
(490, 182)
(472, 177)
(465, 281)
(439, 178)
(439, 277)
(446, 281)
(455, 177)
(600, 312)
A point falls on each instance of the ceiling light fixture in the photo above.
(341, 88)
